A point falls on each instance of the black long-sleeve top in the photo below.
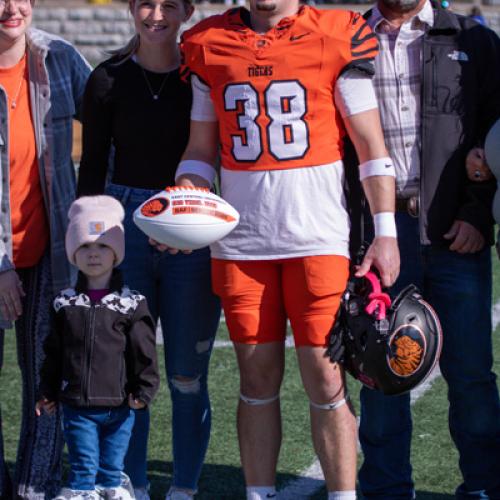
(148, 135)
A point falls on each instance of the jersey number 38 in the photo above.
(286, 135)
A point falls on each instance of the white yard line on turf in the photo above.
(289, 340)
(495, 315)
(312, 479)
(227, 343)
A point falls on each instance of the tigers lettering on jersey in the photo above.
(260, 71)
(274, 93)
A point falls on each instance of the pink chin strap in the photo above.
(379, 301)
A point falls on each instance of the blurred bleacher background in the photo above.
(97, 26)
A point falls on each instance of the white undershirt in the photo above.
(294, 212)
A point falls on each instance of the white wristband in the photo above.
(385, 224)
(380, 166)
(196, 167)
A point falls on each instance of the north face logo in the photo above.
(458, 55)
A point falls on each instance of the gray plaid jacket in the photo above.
(57, 78)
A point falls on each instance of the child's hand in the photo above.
(475, 163)
(135, 404)
(45, 405)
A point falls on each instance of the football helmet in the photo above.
(387, 345)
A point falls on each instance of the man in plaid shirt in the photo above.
(438, 85)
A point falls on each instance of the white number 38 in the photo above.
(286, 135)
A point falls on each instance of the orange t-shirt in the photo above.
(30, 228)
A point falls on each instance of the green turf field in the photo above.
(434, 458)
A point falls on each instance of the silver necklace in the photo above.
(154, 95)
(13, 101)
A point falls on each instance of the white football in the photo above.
(186, 218)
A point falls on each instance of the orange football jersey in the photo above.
(274, 93)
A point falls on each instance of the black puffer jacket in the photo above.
(98, 353)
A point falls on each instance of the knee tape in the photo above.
(258, 402)
(330, 406)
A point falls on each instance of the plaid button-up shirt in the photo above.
(398, 68)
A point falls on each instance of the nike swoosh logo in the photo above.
(298, 37)
(388, 166)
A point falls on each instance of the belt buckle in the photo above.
(413, 206)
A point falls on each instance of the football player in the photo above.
(275, 88)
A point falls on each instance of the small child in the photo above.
(101, 356)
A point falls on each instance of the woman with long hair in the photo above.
(42, 79)
(135, 128)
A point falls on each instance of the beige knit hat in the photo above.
(95, 218)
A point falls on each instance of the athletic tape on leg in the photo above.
(330, 406)
(258, 402)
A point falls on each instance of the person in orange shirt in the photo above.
(42, 81)
(277, 87)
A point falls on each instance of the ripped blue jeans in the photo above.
(179, 292)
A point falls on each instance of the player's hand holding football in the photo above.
(182, 181)
(165, 248)
(383, 254)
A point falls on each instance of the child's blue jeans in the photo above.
(97, 440)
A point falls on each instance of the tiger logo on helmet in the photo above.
(388, 345)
